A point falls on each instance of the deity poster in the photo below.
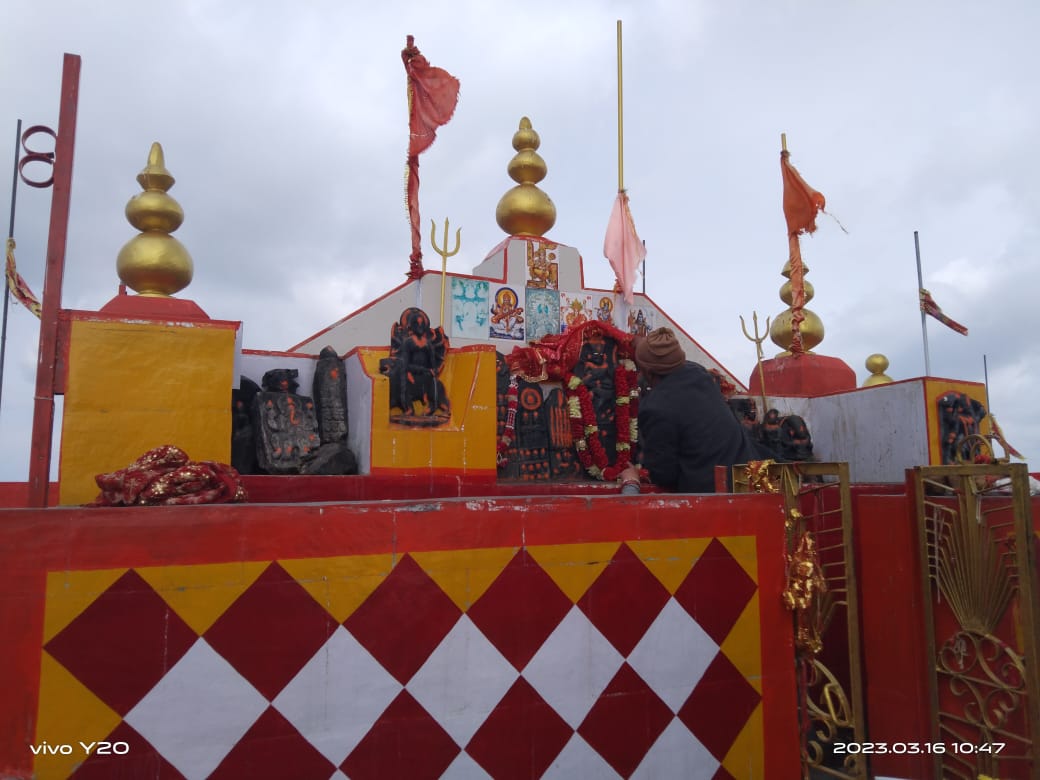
(542, 267)
(543, 312)
(605, 309)
(641, 320)
(507, 315)
(574, 310)
(470, 310)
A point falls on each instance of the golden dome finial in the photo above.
(154, 263)
(781, 333)
(877, 365)
(525, 209)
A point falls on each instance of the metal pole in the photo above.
(924, 317)
(620, 121)
(57, 238)
(985, 378)
(10, 234)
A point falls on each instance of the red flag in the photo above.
(16, 284)
(622, 246)
(801, 202)
(930, 307)
(433, 94)
(801, 205)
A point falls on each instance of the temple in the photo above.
(398, 548)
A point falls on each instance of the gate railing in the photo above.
(822, 594)
(977, 550)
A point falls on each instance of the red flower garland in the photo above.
(509, 430)
(585, 430)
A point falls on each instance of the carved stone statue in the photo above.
(795, 439)
(285, 423)
(330, 398)
(417, 354)
(959, 418)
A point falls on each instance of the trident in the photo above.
(758, 349)
(445, 254)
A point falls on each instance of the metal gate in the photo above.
(978, 564)
(823, 596)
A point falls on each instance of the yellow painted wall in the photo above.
(465, 443)
(934, 389)
(133, 386)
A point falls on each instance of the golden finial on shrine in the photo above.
(811, 328)
(525, 209)
(877, 364)
(154, 263)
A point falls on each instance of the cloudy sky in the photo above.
(286, 128)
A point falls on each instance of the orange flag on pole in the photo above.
(433, 94)
(801, 202)
(801, 205)
(622, 246)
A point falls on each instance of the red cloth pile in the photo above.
(166, 477)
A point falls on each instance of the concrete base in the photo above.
(803, 375)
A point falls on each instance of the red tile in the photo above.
(521, 737)
(404, 619)
(625, 721)
(273, 749)
(271, 631)
(719, 706)
(520, 609)
(406, 743)
(140, 759)
(624, 600)
(716, 591)
(123, 643)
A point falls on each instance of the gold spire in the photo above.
(781, 332)
(154, 262)
(877, 365)
(525, 209)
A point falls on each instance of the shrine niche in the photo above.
(417, 355)
(243, 434)
(959, 418)
(285, 423)
(588, 423)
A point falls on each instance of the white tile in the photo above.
(673, 654)
(579, 760)
(573, 666)
(677, 753)
(465, 768)
(462, 681)
(337, 696)
(198, 711)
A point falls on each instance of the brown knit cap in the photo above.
(659, 352)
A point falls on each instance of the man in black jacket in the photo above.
(686, 428)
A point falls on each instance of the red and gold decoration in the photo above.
(433, 94)
(554, 358)
(165, 476)
(16, 284)
(931, 308)
(505, 441)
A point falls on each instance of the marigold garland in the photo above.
(509, 430)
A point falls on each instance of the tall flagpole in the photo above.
(924, 321)
(620, 119)
(10, 234)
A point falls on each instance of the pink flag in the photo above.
(622, 246)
